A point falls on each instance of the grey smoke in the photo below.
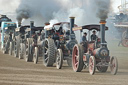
(42, 11)
(38, 10)
(23, 13)
(103, 8)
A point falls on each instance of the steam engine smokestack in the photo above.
(102, 28)
(19, 24)
(47, 23)
(31, 24)
(71, 24)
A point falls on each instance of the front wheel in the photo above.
(21, 50)
(35, 55)
(113, 65)
(59, 59)
(49, 52)
(10, 48)
(92, 65)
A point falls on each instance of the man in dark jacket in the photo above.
(93, 36)
(84, 39)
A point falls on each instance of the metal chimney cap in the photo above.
(32, 21)
(72, 17)
(102, 22)
(47, 23)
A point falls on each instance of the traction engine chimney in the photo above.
(102, 28)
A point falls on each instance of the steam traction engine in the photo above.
(93, 54)
(20, 40)
(58, 44)
(3, 23)
(9, 37)
(121, 24)
(33, 34)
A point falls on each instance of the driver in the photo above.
(93, 36)
(84, 39)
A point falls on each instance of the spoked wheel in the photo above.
(35, 55)
(10, 48)
(49, 52)
(125, 42)
(28, 55)
(77, 59)
(21, 50)
(92, 65)
(5, 47)
(59, 59)
(16, 48)
(113, 65)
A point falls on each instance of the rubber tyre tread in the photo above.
(61, 59)
(36, 55)
(115, 71)
(51, 53)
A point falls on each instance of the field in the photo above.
(18, 72)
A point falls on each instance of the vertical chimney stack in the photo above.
(102, 29)
(47, 23)
(72, 19)
(31, 24)
(19, 24)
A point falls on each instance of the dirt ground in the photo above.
(18, 72)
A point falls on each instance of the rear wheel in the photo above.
(59, 59)
(49, 52)
(28, 54)
(77, 59)
(35, 55)
(16, 47)
(113, 65)
(92, 65)
(5, 47)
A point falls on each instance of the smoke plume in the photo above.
(85, 11)
(39, 10)
(103, 8)
(22, 13)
